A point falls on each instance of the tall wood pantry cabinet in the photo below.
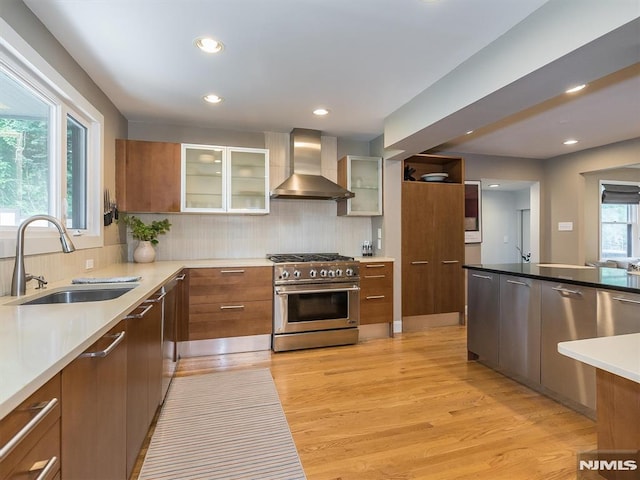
(433, 237)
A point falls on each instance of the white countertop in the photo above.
(618, 354)
(38, 341)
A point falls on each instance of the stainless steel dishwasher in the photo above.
(568, 313)
(618, 313)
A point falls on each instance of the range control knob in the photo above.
(323, 273)
(349, 272)
(332, 273)
(296, 273)
(338, 272)
(313, 273)
(284, 274)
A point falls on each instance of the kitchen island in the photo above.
(518, 313)
(617, 363)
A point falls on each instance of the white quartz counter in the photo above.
(618, 354)
(38, 341)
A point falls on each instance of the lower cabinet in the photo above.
(144, 374)
(376, 292)
(568, 312)
(230, 302)
(618, 313)
(32, 452)
(519, 337)
(483, 316)
(94, 410)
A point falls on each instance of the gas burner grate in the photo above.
(307, 257)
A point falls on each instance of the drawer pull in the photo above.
(374, 297)
(103, 353)
(566, 290)
(447, 262)
(231, 271)
(46, 467)
(141, 314)
(420, 262)
(181, 277)
(626, 300)
(484, 277)
(375, 265)
(231, 307)
(158, 299)
(374, 276)
(45, 409)
(515, 282)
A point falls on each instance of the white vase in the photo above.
(144, 252)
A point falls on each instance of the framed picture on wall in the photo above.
(472, 211)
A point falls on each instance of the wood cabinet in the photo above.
(376, 292)
(147, 176)
(94, 416)
(230, 302)
(144, 373)
(363, 177)
(433, 239)
(30, 436)
(217, 179)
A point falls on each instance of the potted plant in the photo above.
(147, 236)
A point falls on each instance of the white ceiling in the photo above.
(361, 59)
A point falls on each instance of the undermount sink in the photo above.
(95, 293)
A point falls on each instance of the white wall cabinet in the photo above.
(218, 179)
(362, 176)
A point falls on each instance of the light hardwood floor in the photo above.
(413, 407)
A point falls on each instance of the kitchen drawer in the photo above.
(42, 461)
(43, 409)
(229, 319)
(374, 309)
(215, 285)
(376, 275)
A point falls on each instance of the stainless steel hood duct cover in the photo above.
(305, 178)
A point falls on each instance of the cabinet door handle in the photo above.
(419, 262)
(626, 300)
(141, 314)
(181, 277)
(157, 299)
(375, 265)
(118, 337)
(46, 408)
(484, 277)
(46, 467)
(515, 282)
(566, 290)
(374, 276)
(374, 297)
(231, 271)
(231, 307)
(450, 261)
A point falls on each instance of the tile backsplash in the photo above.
(292, 226)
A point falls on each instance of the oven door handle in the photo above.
(280, 291)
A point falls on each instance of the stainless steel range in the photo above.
(316, 300)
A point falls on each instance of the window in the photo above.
(50, 150)
(619, 234)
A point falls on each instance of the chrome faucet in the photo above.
(20, 277)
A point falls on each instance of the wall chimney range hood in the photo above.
(305, 177)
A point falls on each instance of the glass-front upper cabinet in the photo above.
(224, 179)
(362, 176)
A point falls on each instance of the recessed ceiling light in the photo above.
(494, 185)
(575, 89)
(321, 112)
(209, 45)
(571, 141)
(211, 98)
(469, 132)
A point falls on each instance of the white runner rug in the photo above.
(227, 425)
